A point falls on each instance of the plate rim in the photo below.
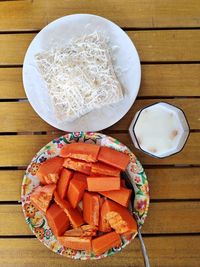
(108, 141)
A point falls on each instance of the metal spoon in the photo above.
(129, 185)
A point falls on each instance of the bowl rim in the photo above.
(113, 143)
(133, 124)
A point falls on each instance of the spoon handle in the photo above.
(144, 251)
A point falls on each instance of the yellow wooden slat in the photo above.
(189, 155)
(170, 80)
(173, 217)
(31, 15)
(13, 48)
(179, 251)
(11, 83)
(135, 13)
(18, 150)
(23, 15)
(173, 183)
(157, 80)
(162, 218)
(189, 106)
(168, 45)
(12, 221)
(19, 115)
(10, 184)
(16, 116)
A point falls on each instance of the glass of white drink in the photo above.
(159, 130)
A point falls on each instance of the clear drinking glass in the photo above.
(160, 129)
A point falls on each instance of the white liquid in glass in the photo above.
(158, 130)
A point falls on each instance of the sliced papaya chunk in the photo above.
(119, 217)
(103, 183)
(104, 225)
(80, 208)
(75, 191)
(73, 214)
(107, 241)
(99, 168)
(49, 171)
(121, 196)
(75, 242)
(82, 151)
(63, 182)
(77, 165)
(123, 183)
(113, 157)
(80, 176)
(91, 205)
(84, 230)
(57, 219)
(41, 196)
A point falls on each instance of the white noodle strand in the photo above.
(79, 76)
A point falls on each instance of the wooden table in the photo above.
(167, 36)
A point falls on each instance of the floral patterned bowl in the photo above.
(37, 221)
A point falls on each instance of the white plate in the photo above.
(60, 32)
